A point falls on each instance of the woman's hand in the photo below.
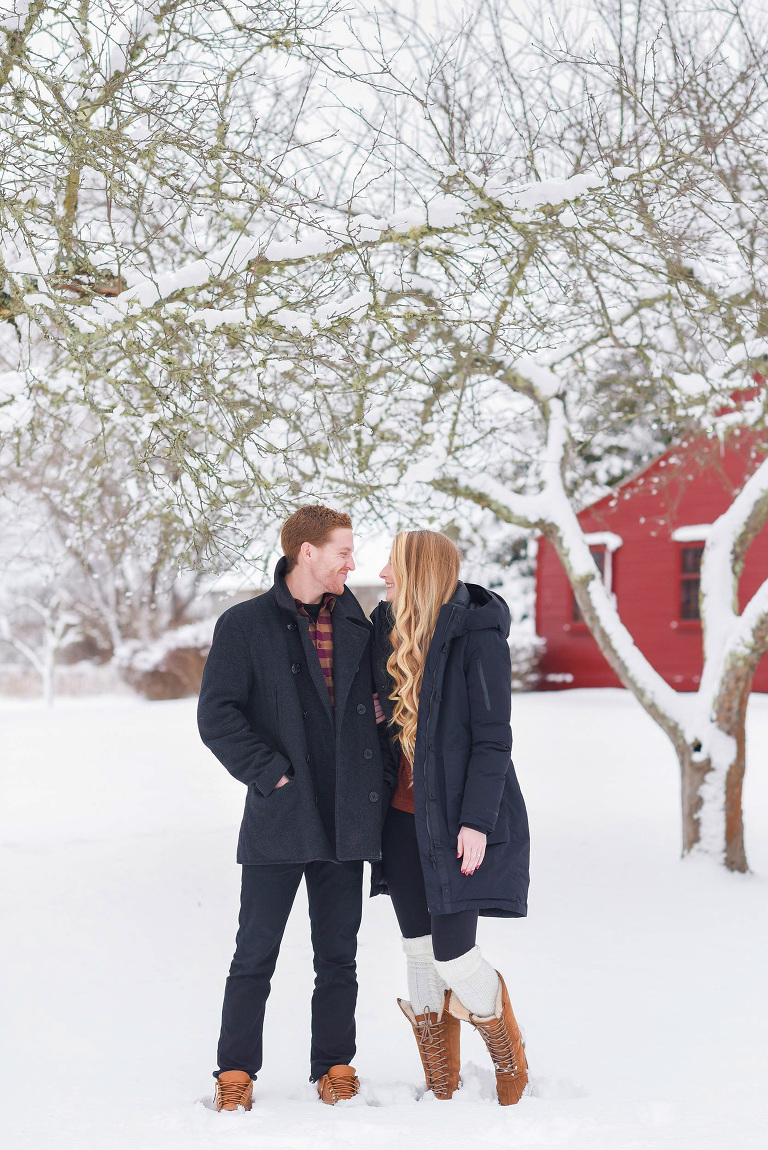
(470, 848)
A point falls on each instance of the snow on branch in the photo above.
(726, 541)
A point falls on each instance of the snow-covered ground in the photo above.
(640, 981)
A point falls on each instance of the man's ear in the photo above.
(306, 551)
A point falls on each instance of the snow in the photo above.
(692, 533)
(639, 979)
(352, 305)
(608, 539)
(147, 291)
(751, 349)
(293, 320)
(691, 383)
(313, 245)
(40, 263)
(148, 656)
(545, 381)
(365, 223)
(217, 317)
(446, 211)
(545, 193)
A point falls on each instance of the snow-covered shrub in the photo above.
(526, 649)
(170, 667)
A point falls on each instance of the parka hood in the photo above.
(480, 609)
(484, 609)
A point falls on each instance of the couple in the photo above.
(387, 741)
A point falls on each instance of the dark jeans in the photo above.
(452, 934)
(335, 893)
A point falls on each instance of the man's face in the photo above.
(331, 563)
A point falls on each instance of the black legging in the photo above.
(452, 934)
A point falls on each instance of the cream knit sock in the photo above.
(426, 988)
(474, 980)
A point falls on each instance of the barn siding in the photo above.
(691, 484)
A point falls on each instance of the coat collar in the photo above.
(346, 603)
(351, 632)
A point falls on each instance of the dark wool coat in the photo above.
(265, 712)
(462, 772)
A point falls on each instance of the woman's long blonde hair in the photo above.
(425, 567)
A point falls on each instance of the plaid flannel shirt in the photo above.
(321, 633)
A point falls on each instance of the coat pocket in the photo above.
(285, 787)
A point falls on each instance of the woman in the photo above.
(455, 841)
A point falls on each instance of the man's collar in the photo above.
(346, 605)
(328, 600)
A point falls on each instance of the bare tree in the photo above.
(57, 627)
(585, 280)
(156, 164)
(121, 545)
(532, 253)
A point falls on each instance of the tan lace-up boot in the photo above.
(233, 1088)
(339, 1083)
(437, 1037)
(501, 1035)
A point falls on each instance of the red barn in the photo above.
(647, 537)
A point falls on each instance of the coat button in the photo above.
(291, 626)
(295, 667)
(431, 746)
(367, 753)
(373, 796)
(304, 713)
(307, 758)
(361, 708)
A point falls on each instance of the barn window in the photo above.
(598, 554)
(690, 579)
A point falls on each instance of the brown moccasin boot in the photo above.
(501, 1035)
(233, 1088)
(437, 1037)
(339, 1083)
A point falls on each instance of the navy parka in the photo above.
(462, 772)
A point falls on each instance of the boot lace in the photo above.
(232, 1092)
(500, 1045)
(431, 1038)
(342, 1086)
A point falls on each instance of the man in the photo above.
(287, 706)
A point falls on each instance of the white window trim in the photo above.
(695, 533)
(611, 543)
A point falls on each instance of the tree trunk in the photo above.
(47, 676)
(711, 793)
(693, 772)
(732, 718)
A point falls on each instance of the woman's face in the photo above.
(389, 579)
